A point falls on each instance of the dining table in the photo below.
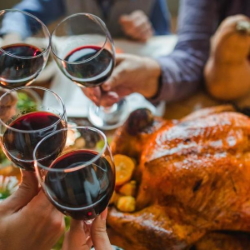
(76, 102)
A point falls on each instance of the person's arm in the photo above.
(46, 10)
(28, 220)
(169, 77)
(160, 18)
(182, 70)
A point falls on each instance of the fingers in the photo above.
(99, 234)
(140, 30)
(27, 190)
(137, 25)
(45, 222)
(101, 98)
(94, 94)
(114, 80)
(109, 98)
(45, 212)
(41, 205)
(77, 237)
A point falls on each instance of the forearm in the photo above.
(227, 81)
(182, 70)
(173, 85)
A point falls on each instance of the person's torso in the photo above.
(118, 8)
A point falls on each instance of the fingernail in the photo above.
(104, 214)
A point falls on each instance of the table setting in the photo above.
(171, 179)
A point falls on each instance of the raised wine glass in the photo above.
(25, 120)
(84, 51)
(80, 180)
(24, 49)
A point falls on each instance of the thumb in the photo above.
(114, 80)
(99, 234)
(25, 193)
(77, 237)
(94, 94)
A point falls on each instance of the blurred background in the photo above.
(172, 4)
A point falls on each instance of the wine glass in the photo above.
(80, 180)
(84, 51)
(24, 121)
(24, 49)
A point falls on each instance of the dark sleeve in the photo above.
(46, 10)
(160, 17)
(182, 70)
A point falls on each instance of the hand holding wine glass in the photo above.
(78, 235)
(23, 55)
(132, 74)
(80, 180)
(27, 219)
(84, 51)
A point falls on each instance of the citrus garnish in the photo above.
(124, 167)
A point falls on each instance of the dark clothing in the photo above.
(50, 10)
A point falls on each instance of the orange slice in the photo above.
(128, 189)
(124, 167)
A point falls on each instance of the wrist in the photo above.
(153, 71)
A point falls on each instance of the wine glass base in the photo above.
(109, 118)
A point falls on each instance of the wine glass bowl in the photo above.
(86, 55)
(27, 122)
(80, 180)
(24, 50)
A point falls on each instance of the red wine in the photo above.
(88, 65)
(19, 146)
(85, 193)
(16, 71)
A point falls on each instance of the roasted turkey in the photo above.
(194, 182)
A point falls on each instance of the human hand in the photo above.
(229, 44)
(7, 106)
(82, 237)
(28, 220)
(131, 74)
(137, 26)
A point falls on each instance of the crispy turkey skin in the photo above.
(194, 177)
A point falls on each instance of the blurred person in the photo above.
(181, 73)
(136, 19)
